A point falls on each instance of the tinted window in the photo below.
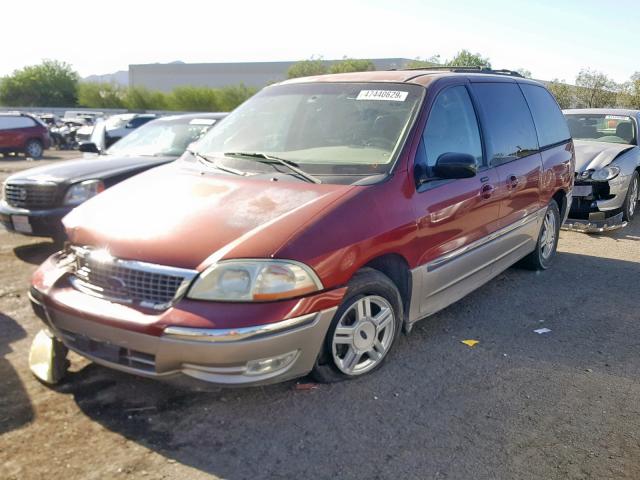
(550, 123)
(139, 121)
(452, 127)
(9, 122)
(507, 120)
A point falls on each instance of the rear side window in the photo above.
(507, 121)
(452, 127)
(10, 122)
(550, 123)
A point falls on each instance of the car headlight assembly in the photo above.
(83, 191)
(605, 174)
(254, 281)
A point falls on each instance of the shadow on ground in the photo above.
(15, 406)
(36, 253)
(518, 405)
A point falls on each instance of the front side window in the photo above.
(602, 128)
(550, 123)
(452, 127)
(325, 128)
(508, 124)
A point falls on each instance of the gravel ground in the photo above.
(518, 405)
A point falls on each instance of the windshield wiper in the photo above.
(266, 158)
(210, 162)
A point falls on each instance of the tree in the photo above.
(140, 98)
(464, 58)
(352, 65)
(195, 99)
(50, 84)
(629, 94)
(524, 72)
(306, 68)
(432, 61)
(595, 89)
(101, 95)
(232, 96)
(562, 92)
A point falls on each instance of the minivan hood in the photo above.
(179, 216)
(80, 169)
(592, 155)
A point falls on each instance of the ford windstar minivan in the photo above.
(312, 226)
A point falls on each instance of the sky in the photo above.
(552, 39)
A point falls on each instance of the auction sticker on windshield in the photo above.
(392, 95)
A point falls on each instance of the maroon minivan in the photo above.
(22, 133)
(318, 220)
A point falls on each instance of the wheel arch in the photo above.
(396, 267)
(561, 199)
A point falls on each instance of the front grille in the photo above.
(122, 281)
(110, 352)
(31, 195)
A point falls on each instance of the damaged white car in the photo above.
(605, 195)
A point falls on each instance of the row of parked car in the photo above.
(32, 134)
(313, 224)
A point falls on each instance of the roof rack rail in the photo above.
(469, 69)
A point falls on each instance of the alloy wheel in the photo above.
(34, 150)
(363, 335)
(549, 232)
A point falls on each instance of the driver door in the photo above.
(456, 218)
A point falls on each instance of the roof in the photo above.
(420, 77)
(599, 111)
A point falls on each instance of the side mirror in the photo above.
(455, 165)
(129, 125)
(88, 147)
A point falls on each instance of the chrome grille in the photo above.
(123, 281)
(31, 195)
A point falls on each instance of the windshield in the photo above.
(162, 137)
(322, 127)
(602, 128)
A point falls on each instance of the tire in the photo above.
(542, 257)
(357, 343)
(630, 206)
(33, 149)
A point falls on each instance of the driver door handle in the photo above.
(486, 191)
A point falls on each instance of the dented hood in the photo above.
(178, 216)
(592, 155)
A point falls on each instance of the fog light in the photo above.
(272, 364)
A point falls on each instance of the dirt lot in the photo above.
(516, 406)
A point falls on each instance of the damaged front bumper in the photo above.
(597, 223)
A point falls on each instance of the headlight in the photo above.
(83, 191)
(254, 281)
(606, 173)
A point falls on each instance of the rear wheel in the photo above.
(33, 149)
(363, 330)
(542, 257)
(630, 206)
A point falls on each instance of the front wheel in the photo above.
(33, 149)
(631, 201)
(363, 330)
(542, 257)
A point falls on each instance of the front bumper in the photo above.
(226, 344)
(597, 223)
(42, 223)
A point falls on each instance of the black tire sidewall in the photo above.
(627, 201)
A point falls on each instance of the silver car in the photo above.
(605, 195)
